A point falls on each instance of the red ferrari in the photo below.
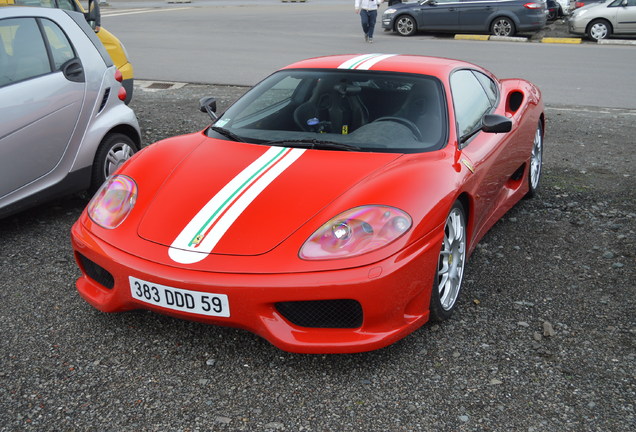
(331, 209)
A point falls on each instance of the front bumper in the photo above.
(394, 294)
(387, 22)
(577, 27)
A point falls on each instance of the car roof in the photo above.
(436, 66)
(28, 11)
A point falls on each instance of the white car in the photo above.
(601, 20)
(64, 126)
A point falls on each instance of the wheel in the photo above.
(552, 15)
(536, 162)
(113, 151)
(406, 122)
(599, 29)
(405, 25)
(450, 266)
(502, 26)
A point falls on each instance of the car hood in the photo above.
(244, 199)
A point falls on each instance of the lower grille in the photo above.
(322, 313)
(96, 272)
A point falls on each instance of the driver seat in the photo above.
(333, 107)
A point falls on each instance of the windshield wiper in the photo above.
(226, 133)
(315, 144)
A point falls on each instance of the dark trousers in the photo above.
(368, 18)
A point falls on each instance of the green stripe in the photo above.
(239, 189)
(362, 61)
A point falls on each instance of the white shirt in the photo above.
(367, 4)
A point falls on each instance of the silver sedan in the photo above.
(601, 20)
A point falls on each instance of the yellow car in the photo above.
(115, 48)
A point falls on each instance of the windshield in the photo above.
(340, 110)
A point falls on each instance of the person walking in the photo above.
(368, 11)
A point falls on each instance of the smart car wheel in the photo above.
(599, 29)
(450, 266)
(502, 26)
(114, 150)
(405, 25)
(536, 162)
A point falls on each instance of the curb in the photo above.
(509, 38)
(554, 40)
(561, 40)
(471, 37)
(616, 42)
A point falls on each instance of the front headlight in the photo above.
(390, 11)
(113, 201)
(355, 232)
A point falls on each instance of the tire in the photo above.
(405, 25)
(536, 162)
(599, 29)
(502, 26)
(552, 15)
(114, 150)
(450, 266)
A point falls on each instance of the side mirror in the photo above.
(493, 123)
(93, 16)
(208, 105)
(490, 123)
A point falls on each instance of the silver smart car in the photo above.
(601, 20)
(63, 125)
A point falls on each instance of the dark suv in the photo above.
(497, 17)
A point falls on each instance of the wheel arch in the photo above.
(467, 202)
(595, 20)
(128, 131)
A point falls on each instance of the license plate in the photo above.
(195, 302)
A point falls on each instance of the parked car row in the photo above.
(596, 19)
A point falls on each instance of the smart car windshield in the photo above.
(340, 110)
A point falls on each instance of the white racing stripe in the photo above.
(204, 231)
(364, 62)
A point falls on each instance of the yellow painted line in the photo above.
(561, 40)
(471, 37)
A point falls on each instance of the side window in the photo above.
(61, 48)
(67, 4)
(273, 99)
(41, 3)
(490, 87)
(23, 54)
(470, 101)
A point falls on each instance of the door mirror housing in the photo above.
(493, 123)
(490, 123)
(208, 105)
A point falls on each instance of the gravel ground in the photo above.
(543, 340)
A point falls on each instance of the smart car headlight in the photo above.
(355, 232)
(113, 201)
(390, 11)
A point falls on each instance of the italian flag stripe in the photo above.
(204, 231)
(364, 62)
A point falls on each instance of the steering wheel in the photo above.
(406, 122)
